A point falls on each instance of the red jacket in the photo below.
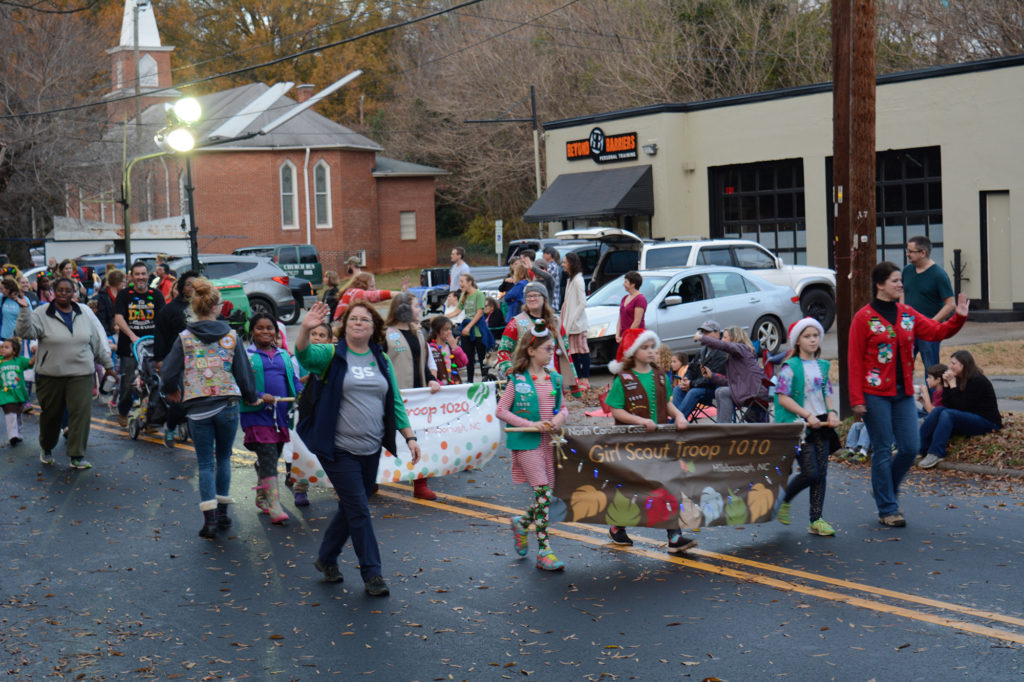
(871, 366)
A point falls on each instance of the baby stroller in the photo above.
(150, 410)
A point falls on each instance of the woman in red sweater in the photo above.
(881, 381)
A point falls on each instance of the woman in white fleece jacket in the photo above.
(70, 345)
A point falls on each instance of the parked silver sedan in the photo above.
(680, 300)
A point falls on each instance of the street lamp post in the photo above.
(176, 138)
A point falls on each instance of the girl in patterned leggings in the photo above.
(533, 398)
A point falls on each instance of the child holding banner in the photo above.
(641, 394)
(805, 392)
(533, 400)
(266, 427)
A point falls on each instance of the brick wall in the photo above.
(396, 195)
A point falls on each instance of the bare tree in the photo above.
(49, 61)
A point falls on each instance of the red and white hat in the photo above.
(632, 339)
(798, 327)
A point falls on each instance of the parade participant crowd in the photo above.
(351, 364)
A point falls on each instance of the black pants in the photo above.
(475, 352)
(127, 395)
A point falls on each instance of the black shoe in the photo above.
(376, 587)
(331, 573)
(15, 441)
(679, 544)
(618, 536)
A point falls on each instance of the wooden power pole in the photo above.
(853, 166)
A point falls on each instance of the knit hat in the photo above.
(798, 327)
(535, 288)
(632, 339)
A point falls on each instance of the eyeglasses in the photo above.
(534, 297)
(365, 320)
(915, 250)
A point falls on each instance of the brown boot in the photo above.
(421, 491)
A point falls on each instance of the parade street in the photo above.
(104, 577)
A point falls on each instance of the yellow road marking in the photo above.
(838, 582)
(994, 633)
(785, 586)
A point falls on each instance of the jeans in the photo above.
(581, 361)
(929, 351)
(686, 401)
(213, 438)
(943, 422)
(353, 478)
(127, 396)
(890, 420)
(858, 438)
(726, 408)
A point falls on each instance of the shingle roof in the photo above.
(392, 168)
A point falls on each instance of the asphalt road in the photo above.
(104, 577)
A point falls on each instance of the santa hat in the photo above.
(632, 339)
(798, 327)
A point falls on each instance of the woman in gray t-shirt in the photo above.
(357, 379)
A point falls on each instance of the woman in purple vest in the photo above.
(206, 370)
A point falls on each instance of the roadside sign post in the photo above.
(498, 238)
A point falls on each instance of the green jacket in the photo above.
(782, 415)
(526, 405)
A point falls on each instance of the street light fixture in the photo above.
(179, 136)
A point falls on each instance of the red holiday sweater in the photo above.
(872, 341)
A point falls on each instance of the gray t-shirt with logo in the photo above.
(360, 426)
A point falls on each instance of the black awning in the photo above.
(596, 194)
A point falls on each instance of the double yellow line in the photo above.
(758, 573)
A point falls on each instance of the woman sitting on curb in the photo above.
(969, 408)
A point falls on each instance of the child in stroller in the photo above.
(150, 409)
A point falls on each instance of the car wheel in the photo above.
(768, 331)
(258, 304)
(817, 303)
(294, 317)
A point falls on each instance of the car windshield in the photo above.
(612, 293)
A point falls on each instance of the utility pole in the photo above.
(536, 133)
(853, 165)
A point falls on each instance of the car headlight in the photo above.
(598, 330)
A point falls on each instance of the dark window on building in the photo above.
(908, 202)
(763, 202)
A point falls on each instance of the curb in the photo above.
(977, 469)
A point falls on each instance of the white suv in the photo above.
(815, 286)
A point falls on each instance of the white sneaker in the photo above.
(929, 461)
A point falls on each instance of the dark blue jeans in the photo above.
(929, 351)
(213, 438)
(353, 478)
(890, 420)
(943, 422)
(685, 401)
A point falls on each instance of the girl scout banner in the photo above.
(707, 475)
(456, 429)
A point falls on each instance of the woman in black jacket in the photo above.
(969, 408)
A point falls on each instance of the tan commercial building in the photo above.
(950, 165)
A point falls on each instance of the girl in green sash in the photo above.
(533, 398)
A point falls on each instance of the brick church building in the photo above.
(309, 181)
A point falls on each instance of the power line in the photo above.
(254, 67)
(35, 7)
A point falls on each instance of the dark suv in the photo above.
(301, 262)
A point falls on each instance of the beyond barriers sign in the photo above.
(455, 427)
(707, 475)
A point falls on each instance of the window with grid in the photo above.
(289, 200)
(762, 202)
(908, 202)
(407, 223)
